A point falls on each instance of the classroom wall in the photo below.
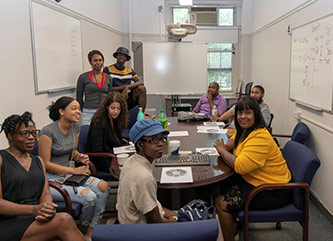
(17, 92)
(270, 67)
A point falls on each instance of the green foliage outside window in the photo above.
(219, 64)
(226, 16)
(224, 79)
(180, 15)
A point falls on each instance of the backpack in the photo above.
(196, 210)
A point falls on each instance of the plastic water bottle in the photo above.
(140, 115)
(163, 119)
(214, 113)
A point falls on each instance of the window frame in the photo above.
(225, 70)
(218, 14)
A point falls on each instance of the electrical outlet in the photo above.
(298, 114)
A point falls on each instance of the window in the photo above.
(180, 15)
(226, 17)
(219, 65)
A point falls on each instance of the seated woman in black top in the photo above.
(106, 127)
(26, 208)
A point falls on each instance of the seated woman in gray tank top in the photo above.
(57, 146)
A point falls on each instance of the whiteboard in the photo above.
(175, 68)
(311, 76)
(57, 53)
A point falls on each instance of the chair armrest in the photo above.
(60, 188)
(279, 135)
(292, 185)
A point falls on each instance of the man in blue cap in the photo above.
(122, 77)
(137, 194)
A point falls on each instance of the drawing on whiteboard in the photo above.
(311, 77)
(320, 52)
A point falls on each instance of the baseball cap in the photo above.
(146, 127)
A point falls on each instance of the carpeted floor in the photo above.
(320, 229)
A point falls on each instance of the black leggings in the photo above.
(235, 191)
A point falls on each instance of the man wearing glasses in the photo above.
(137, 194)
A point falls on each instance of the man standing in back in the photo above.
(135, 93)
(207, 101)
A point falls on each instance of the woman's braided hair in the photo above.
(13, 123)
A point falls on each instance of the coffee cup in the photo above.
(121, 159)
(174, 146)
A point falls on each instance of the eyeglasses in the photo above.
(154, 141)
(26, 134)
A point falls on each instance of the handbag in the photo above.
(76, 180)
(196, 210)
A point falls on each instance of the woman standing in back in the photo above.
(106, 127)
(57, 146)
(26, 208)
(92, 86)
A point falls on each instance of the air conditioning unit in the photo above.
(204, 16)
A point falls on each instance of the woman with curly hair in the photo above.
(106, 127)
(26, 208)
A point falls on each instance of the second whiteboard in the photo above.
(175, 68)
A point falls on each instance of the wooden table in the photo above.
(176, 195)
(202, 175)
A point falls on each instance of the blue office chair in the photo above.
(303, 164)
(73, 208)
(133, 113)
(81, 147)
(195, 231)
(300, 133)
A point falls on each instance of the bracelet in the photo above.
(174, 218)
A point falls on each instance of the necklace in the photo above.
(95, 77)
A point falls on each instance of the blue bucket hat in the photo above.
(146, 127)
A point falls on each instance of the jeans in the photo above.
(93, 201)
(87, 115)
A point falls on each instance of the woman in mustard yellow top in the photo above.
(255, 157)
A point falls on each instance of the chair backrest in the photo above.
(303, 164)
(133, 113)
(34, 151)
(300, 133)
(81, 146)
(248, 87)
(270, 121)
(195, 231)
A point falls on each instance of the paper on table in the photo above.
(211, 151)
(123, 149)
(176, 175)
(178, 133)
(211, 129)
(207, 123)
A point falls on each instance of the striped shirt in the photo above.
(120, 77)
